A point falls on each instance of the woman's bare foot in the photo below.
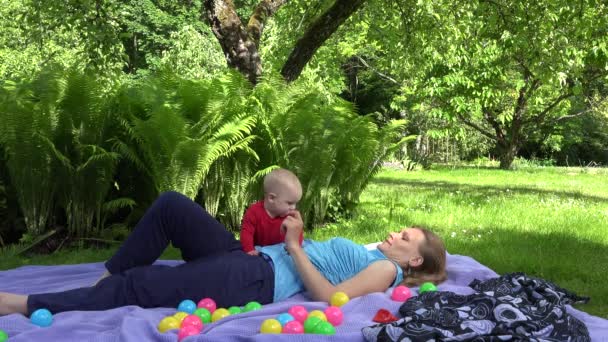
(12, 303)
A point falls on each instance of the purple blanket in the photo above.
(132, 323)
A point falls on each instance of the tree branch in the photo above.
(316, 35)
(476, 127)
(570, 116)
(500, 135)
(261, 13)
(541, 116)
(386, 77)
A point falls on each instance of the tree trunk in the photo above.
(316, 35)
(241, 44)
(507, 153)
(351, 72)
(239, 47)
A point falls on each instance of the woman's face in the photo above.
(403, 247)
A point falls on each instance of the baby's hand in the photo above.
(254, 252)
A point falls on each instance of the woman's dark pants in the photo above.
(215, 266)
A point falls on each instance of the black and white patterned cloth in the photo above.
(513, 307)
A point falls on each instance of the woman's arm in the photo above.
(378, 276)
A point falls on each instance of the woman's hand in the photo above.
(292, 227)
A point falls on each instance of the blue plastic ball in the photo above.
(187, 306)
(42, 318)
(284, 318)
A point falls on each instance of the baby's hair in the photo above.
(433, 265)
(280, 178)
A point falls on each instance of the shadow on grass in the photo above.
(484, 190)
(575, 264)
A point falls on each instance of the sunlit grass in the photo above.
(547, 222)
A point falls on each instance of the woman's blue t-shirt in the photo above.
(337, 259)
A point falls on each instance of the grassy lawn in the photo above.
(546, 222)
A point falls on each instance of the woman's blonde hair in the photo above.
(433, 265)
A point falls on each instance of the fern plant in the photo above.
(56, 140)
(80, 143)
(334, 151)
(28, 111)
(177, 129)
(320, 137)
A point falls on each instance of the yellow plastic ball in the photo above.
(338, 299)
(167, 324)
(219, 314)
(180, 315)
(271, 326)
(319, 314)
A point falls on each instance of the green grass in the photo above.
(546, 222)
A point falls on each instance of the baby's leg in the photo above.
(12, 303)
(172, 218)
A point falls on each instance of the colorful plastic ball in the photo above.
(338, 299)
(318, 313)
(324, 328)
(180, 315)
(168, 323)
(252, 306)
(298, 312)
(334, 315)
(42, 318)
(235, 310)
(293, 327)
(310, 324)
(3, 336)
(401, 293)
(186, 331)
(271, 326)
(284, 318)
(203, 314)
(219, 314)
(208, 304)
(427, 287)
(194, 321)
(187, 306)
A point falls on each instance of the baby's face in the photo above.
(280, 202)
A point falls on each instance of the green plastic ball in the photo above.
(234, 310)
(310, 324)
(203, 314)
(3, 336)
(252, 306)
(325, 328)
(427, 287)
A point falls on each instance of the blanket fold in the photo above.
(513, 307)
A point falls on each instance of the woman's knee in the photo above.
(172, 196)
(172, 200)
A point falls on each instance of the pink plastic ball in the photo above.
(293, 327)
(194, 321)
(208, 304)
(401, 293)
(334, 315)
(299, 313)
(187, 331)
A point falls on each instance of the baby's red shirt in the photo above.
(259, 229)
